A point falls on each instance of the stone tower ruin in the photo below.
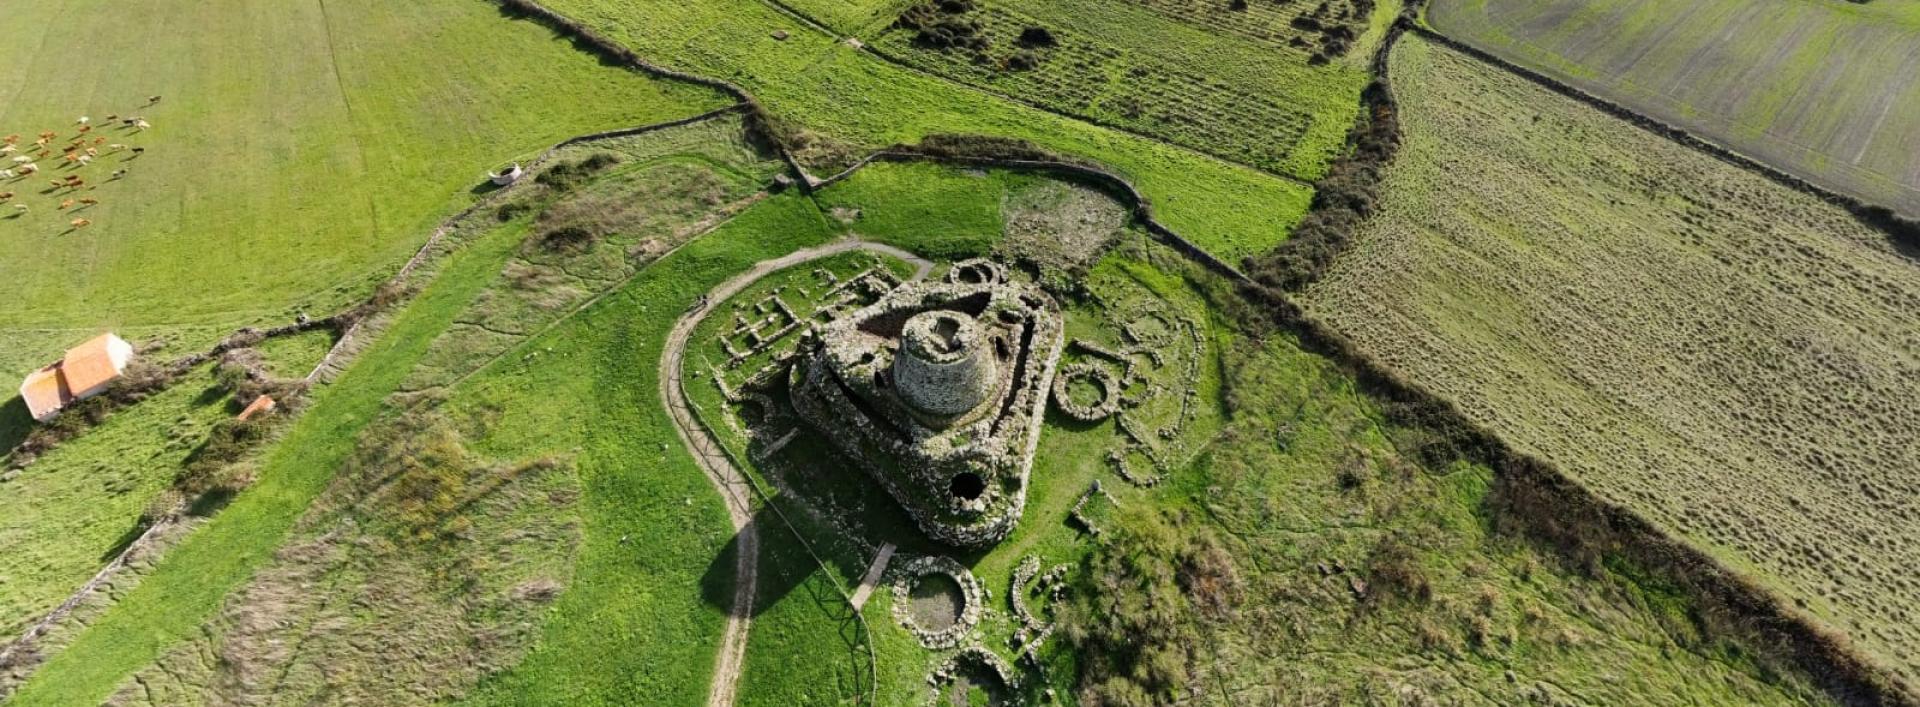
(937, 391)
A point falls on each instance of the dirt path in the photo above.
(732, 484)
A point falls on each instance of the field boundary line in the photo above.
(1585, 520)
(863, 46)
(338, 356)
(730, 212)
(1843, 672)
(1902, 231)
(583, 35)
(1550, 507)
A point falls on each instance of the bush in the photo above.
(566, 238)
(511, 210)
(1342, 200)
(981, 147)
(567, 175)
(1037, 38)
(1139, 607)
(940, 24)
(1393, 570)
(206, 468)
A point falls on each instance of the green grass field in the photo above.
(298, 154)
(490, 505)
(1122, 64)
(853, 97)
(1825, 89)
(291, 165)
(69, 513)
(1502, 618)
(1726, 356)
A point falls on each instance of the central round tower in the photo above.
(945, 367)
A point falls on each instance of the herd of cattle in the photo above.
(76, 154)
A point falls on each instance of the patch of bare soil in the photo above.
(1061, 225)
(937, 602)
(423, 568)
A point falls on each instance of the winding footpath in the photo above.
(734, 487)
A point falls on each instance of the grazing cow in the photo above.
(85, 160)
(138, 151)
(116, 147)
(48, 135)
(99, 141)
(113, 117)
(152, 100)
(66, 204)
(6, 174)
(89, 202)
(79, 223)
(28, 168)
(5, 195)
(83, 120)
(53, 184)
(10, 139)
(21, 159)
(19, 208)
(8, 149)
(141, 125)
(71, 157)
(91, 152)
(118, 173)
(85, 128)
(42, 141)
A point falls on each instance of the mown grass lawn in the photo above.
(300, 150)
(193, 579)
(1825, 89)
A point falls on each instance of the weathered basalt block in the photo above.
(938, 391)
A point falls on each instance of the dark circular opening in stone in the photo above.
(946, 334)
(967, 485)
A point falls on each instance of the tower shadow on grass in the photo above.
(787, 577)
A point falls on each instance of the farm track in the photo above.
(732, 484)
(1314, 333)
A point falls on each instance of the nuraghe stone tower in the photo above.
(938, 391)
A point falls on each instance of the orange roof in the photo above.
(259, 405)
(45, 392)
(91, 364)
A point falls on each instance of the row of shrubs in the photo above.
(1531, 497)
(1347, 195)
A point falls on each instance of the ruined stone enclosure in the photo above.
(938, 391)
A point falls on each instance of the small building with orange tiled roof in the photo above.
(84, 372)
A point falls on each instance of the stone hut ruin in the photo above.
(938, 390)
